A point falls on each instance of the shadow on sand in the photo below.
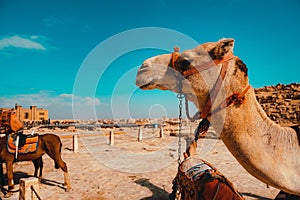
(157, 192)
(160, 194)
(290, 197)
(245, 194)
(4, 181)
(19, 175)
(52, 183)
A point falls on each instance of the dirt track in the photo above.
(133, 170)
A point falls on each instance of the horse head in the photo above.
(9, 119)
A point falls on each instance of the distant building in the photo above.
(31, 114)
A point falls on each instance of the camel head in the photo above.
(194, 71)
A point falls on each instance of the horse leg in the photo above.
(2, 179)
(61, 164)
(1, 174)
(67, 181)
(41, 168)
(36, 167)
(38, 164)
(10, 177)
(55, 155)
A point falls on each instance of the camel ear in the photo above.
(226, 42)
(223, 47)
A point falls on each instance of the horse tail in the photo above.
(56, 166)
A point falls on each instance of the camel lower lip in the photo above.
(143, 87)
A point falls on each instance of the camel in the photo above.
(266, 150)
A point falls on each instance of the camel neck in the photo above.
(251, 118)
(260, 145)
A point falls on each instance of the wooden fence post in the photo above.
(75, 143)
(140, 134)
(29, 188)
(161, 132)
(111, 138)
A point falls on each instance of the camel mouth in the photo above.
(162, 87)
(145, 86)
(151, 86)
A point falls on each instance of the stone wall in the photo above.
(281, 102)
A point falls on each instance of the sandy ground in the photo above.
(131, 169)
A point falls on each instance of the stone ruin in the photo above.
(281, 102)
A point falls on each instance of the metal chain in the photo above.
(180, 97)
(35, 192)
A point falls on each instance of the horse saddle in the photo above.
(26, 143)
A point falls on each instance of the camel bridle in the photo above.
(234, 99)
(185, 69)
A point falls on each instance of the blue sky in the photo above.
(46, 46)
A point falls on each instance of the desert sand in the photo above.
(130, 169)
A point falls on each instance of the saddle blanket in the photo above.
(30, 146)
(198, 179)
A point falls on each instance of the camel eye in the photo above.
(185, 63)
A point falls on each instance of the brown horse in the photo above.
(47, 143)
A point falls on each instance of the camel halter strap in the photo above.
(197, 69)
(205, 66)
(236, 98)
(204, 123)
